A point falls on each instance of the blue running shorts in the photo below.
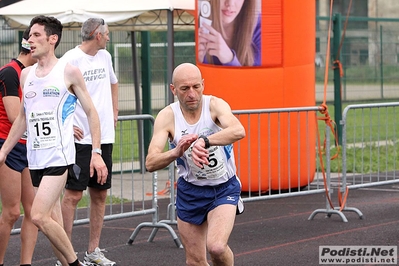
(16, 159)
(193, 203)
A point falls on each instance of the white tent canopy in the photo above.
(118, 14)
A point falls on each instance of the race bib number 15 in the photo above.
(42, 129)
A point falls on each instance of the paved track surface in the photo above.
(269, 232)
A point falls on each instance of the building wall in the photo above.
(383, 8)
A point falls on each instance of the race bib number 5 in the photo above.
(214, 170)
(42, 129)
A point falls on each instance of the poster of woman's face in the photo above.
(229, 32)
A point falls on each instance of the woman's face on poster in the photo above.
(229, 10)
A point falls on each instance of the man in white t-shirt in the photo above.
(95, 63)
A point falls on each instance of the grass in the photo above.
(371, 140)
(126, 142)
(85, 201)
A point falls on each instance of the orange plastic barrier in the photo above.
(284, 78)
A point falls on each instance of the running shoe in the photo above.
(97, 258)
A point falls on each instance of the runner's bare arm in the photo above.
(157, 157)
(232, 129)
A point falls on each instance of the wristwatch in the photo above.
(207, 145)
(97, 150)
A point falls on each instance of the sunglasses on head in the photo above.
(101, 23)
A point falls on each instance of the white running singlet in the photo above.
(222, 165)
(49, 108)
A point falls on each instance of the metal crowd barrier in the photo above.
(135, 192)
(369, 150)
(374, 139)
(364, 119)
(279, 123)
(127, 140)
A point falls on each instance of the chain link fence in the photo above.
(368, 52)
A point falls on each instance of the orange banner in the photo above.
(259, 54)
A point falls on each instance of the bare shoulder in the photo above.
(165, 116)
(72, 71)
(218, 105)
(73, 78)
(164, 126)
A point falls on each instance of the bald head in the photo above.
(188, 86)
(184, 71)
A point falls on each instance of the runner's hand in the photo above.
(3, 157)
(199, 154)
(77, 133)
(97, 163)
